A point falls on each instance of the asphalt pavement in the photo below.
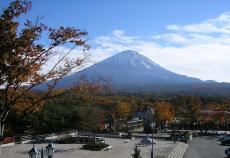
(205, 147)
(120, 150)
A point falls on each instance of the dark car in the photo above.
(225, 141)
(175, 136)
(221, 137)
(227, 152)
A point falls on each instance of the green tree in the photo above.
(91, 118)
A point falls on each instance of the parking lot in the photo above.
(202, 147)
(120, 150)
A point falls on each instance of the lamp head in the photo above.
(50, 149)
(33, 153)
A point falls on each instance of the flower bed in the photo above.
(8, 140)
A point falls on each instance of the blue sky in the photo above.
(189, 37)
(138, 17)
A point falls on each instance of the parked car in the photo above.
(126, 141)
(183, 136)
(100, 139)
(108, 148)
(227, 152)
(226, 140)
(223, 136)
(220, 137)
(176, 136)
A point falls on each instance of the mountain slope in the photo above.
(128, 68)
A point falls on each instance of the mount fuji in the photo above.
(131, 71)
(128, 69)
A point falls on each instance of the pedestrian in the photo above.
(174, 137)
(186, 139)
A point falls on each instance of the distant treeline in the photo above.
(89, 112)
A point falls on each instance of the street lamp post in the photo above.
(42, 153)
(153, 124)
(34, 153)
(152, 147)
(174, 130)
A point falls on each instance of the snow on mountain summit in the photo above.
(131, 58)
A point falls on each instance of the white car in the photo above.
(126, 141)
(108, 148)
(148, 141)
(100, 139)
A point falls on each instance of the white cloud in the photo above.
(221, 24)
(173, 27)
(116, 37)
(59, 54)
(172, 38)
(199, 50)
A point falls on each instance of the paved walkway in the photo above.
(179, 151)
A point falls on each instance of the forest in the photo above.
(90, 111)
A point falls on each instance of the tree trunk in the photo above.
(1, 130)
(2, 125)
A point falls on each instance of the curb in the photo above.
(7, 145)
(179, 151)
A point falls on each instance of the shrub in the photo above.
(94, 146)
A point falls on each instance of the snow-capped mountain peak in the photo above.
(130, 58)
(129, 68)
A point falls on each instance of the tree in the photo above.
(137, 152)
(163, 111)
(123, 110)
(193, 108)
(23, 57)
(91, 119)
